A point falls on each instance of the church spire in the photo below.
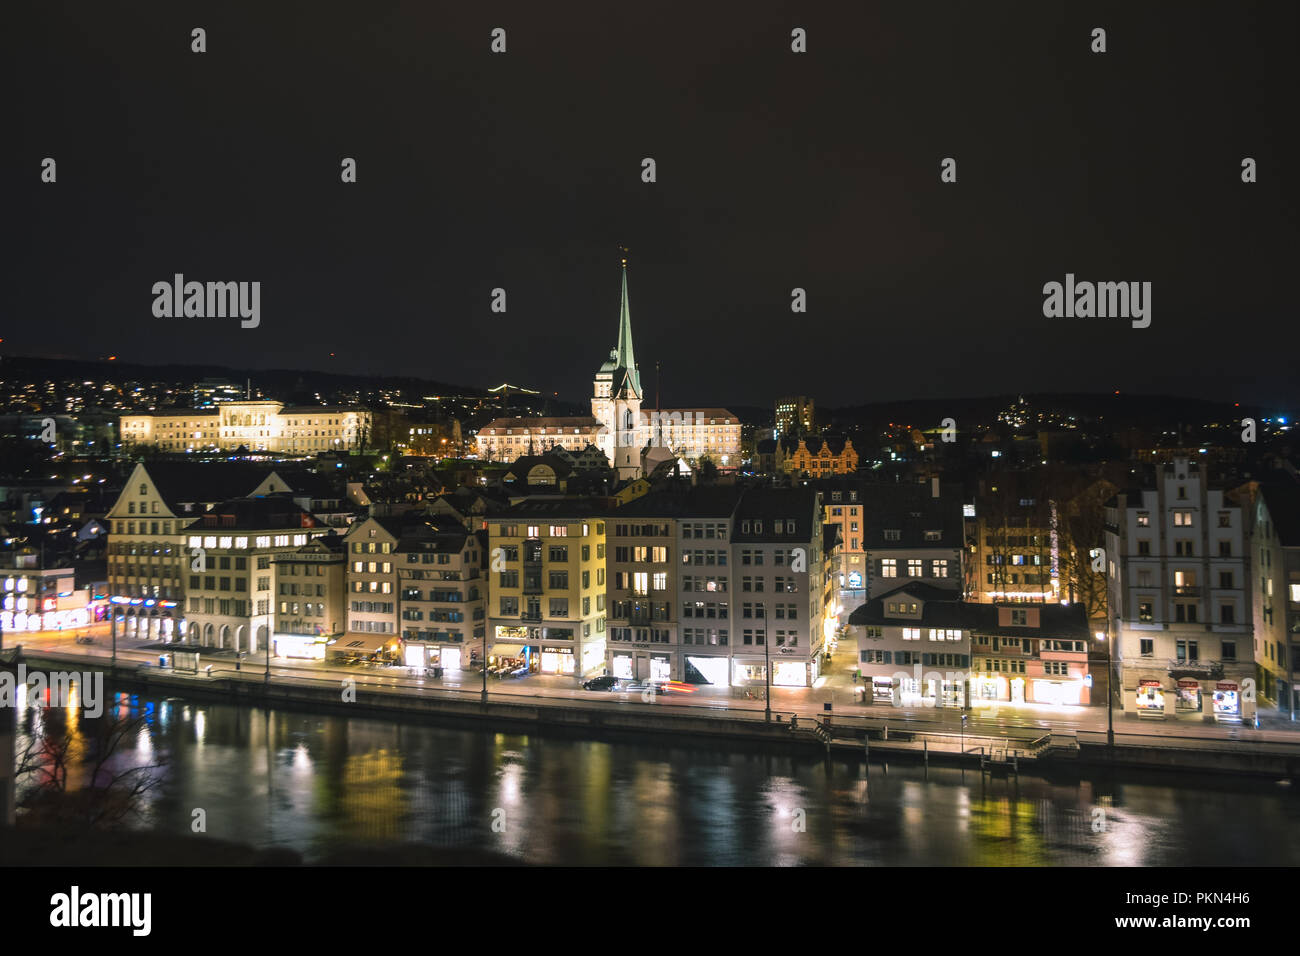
(625, 359)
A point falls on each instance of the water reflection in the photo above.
(317, 784)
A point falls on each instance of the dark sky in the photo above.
(775, 170)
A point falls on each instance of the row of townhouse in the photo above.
(706, 585)
(919, 645)
(1204, 594)
(227, 556)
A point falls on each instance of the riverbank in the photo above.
(615, 720)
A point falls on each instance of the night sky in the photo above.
(775, 170)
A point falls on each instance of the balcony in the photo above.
(1202, 670)
(1187, 590)
(531, 616)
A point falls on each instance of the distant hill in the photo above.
(278, 382)
(1117, 410)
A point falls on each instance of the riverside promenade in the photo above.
(1001, 741)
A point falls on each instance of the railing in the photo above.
(1211, 670)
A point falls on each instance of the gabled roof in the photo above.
(703, 501)
(942, 608)
(524, 464)
(203, 482)
(763, 507)
(264, 513)
(910, 509)
(835, 445)
(394, 526)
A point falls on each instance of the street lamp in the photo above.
(1110, 696)
(767, 681)
(483, 662)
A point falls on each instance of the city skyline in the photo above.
(629, 436)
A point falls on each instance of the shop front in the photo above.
(642, 664)
(1017, 690)
(1059, 692)
(883, 689)
(1188, 697)
(988, 688)
(1227, 701)
(933, 689)
(623, 666)
(300, 646)
(747, 672)
(704, 669)
(790, 674)
(1150, 699)
(423, 654)
(558, 660)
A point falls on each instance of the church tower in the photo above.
(616, 399)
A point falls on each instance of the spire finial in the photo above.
(623, 249)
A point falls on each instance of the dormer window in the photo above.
(893, 534)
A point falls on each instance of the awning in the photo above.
(358, 644)
(507, 650)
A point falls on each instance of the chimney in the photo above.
(934, 487)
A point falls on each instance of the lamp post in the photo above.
(1110, 696)
(483, 662)
(767, 681)
(1290, 679)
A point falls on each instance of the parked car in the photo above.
(605, 682)
(85, 639)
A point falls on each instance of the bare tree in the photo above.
(83, 777)
(1083, 527)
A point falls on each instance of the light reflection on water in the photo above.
(337, 782)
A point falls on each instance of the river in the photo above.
(320, 783)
